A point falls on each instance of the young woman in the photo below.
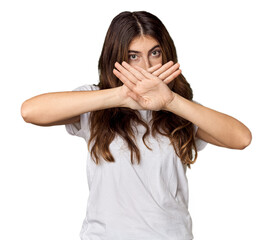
(142, 129)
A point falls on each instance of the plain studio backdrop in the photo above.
(225, 52)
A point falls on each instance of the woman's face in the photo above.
(144, 52)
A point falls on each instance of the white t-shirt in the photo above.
(127, 201)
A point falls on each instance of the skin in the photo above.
(145, 53)
(145, 83)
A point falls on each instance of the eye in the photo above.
(156, 53)
(133, 57)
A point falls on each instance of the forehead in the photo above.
(143, 43)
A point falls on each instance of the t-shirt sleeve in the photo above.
(81, 128)
(200, 144)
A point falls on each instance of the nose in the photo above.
(146, 64)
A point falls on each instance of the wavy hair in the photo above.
(106, 123)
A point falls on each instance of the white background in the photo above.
(225, 52)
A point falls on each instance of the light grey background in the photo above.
(225, 52)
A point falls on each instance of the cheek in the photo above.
(139, 62)
(155, 61)
(134, 63)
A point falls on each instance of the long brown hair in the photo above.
(106, 123)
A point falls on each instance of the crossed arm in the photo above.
(150, 92)
(141, 90)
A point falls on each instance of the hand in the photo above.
(162, 72)
(148, 90)
(124, 90)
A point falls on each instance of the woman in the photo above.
(142, 129)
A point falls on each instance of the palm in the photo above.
(151, 94)
(131, 103)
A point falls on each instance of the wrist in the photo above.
(120, 97)
(170, 106)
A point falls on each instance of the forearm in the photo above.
(225, 129)
(56, 106)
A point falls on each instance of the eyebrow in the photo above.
(133, 51)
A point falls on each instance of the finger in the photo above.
(163, 68)
(172, 76)
(146, 74)
(154, 68)
(122, 78)
(126, 73)
(170, 71)
(133, 71)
